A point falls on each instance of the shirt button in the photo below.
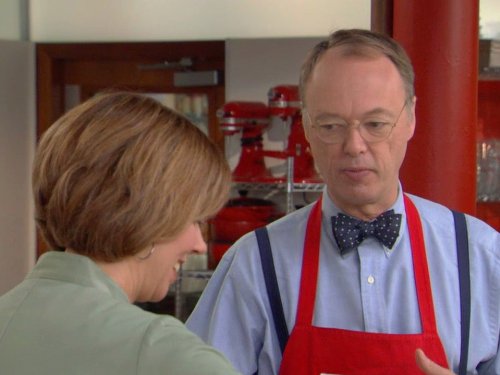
(371, 279)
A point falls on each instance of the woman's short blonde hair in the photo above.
(120, 172)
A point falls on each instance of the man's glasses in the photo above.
(335, 130)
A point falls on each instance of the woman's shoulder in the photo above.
(168, 341)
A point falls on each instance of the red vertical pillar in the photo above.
(441, 38)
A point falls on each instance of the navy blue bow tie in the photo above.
(350, 232)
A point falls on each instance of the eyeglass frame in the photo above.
(347, 126)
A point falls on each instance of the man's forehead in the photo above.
(357, 50)
(342, 62)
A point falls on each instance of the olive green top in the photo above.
(68, 317)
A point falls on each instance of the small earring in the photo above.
(148, 254)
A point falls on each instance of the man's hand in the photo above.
(429, 367)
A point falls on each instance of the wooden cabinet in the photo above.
(144, 67)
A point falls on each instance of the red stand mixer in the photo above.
(284, 103)
(251, 118)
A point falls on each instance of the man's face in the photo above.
(362, 177)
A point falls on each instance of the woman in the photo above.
(121, 185)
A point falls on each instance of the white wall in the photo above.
(98, 20)
(53, 20)
(131, 20)
(13, 20)
(17, 138)
(250, 63)
(489, 19)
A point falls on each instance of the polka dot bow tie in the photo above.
(350, 232)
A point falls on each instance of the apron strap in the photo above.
(273, 293)
(464, 283)
(310, 267)
(420, 267)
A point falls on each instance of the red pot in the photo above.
(240, 216)
(216, 250)
(248, 209)
(230, 230)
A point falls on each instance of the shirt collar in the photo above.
(77, 269)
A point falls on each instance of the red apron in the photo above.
(315, 350)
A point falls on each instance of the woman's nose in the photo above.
(200, 246)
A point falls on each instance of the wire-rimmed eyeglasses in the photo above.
(335, 130)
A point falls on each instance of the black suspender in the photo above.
(464, 283)
(273, 293)
(267, 263)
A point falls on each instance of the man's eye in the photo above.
(374, 125)
(331, 127)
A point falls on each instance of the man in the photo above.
(357, 298)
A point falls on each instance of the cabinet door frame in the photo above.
(95, 66)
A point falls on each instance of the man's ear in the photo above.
(412, 120)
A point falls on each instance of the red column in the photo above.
(441, 38)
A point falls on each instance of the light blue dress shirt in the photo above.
(371, 289)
